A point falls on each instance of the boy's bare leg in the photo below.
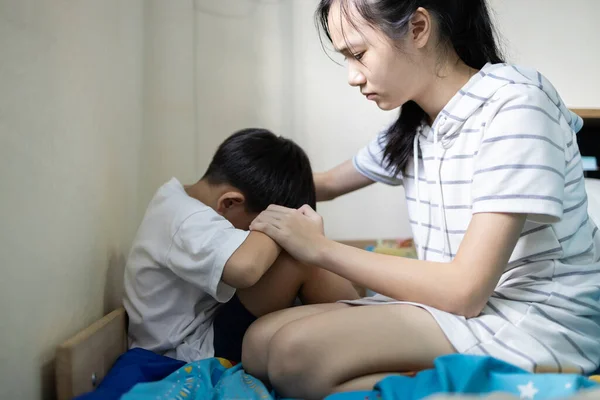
(288, 279)
(323, 286)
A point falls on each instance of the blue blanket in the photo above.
(463, 374)
(215, 379)
(132, 367)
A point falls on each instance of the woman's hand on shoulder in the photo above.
(300, 232)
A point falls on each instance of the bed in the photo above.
(85, 359)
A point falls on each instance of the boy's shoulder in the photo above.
(172, 205)
(179, 221)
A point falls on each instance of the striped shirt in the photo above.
(506, 143)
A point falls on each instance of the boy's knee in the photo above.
(291, 270)
(285, 260)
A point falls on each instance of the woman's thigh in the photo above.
(258, 336)
(311, 356)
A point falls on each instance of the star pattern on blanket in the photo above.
(527, 391)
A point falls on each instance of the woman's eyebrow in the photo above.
(345, 49)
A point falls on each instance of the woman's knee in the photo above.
(258, 336)
(290, 354)
(255, 344)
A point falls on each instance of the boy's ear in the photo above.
(229, 201)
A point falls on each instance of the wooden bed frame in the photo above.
(84, 360)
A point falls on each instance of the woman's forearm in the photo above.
(338, 181)
(462, 286)
(322, 186)
(431, 283)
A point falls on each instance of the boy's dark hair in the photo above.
(266, 168)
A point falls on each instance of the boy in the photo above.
(193, 252)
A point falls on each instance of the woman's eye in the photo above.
(356, 56)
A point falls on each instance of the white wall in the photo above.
(169, 139)
(241, 78)
(333, 121)
(70, 130)
(560, 39)
(211, 68)
(100, 103)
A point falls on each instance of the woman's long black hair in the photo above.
(464, 25)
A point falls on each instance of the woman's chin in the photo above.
(385, 106)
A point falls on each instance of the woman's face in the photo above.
(376, 65)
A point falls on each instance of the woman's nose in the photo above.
(355, 77)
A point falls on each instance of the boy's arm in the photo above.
(250, 261)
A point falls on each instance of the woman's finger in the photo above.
(311, 214)
(268, 229)
(271, 218)
(266, 219)
(271, 214)
(307, 210)
(268, 215)
(279, 209)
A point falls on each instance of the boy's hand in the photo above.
(300, 232)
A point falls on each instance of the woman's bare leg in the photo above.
(366, 382)
(258, 336)
(312, 357)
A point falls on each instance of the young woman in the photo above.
(509, 261)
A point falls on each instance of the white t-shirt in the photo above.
(173, 275)
(506, 143)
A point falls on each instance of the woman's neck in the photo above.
(445, 83)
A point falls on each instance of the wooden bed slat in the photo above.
(90, 353)
(586, 113)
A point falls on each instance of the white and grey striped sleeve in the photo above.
(370, 163)
(520, 166)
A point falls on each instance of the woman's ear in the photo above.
(420, 27)
(230, 201)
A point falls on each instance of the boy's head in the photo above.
(261, 169)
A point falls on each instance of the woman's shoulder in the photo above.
(522, 97)
(513, 82)
(525, 91)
